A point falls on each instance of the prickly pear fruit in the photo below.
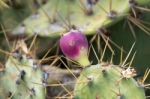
(75, 46)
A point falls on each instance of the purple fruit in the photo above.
(74, 45)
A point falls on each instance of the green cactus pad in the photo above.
(58, 10)
(17, 87)
(107, 82)
(51, 19)
(15, 13)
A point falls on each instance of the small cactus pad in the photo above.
(104, 81)
(20, 80)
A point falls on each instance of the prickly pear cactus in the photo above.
(107, 81)
(21, 79)
(14, 12)
(58, 16)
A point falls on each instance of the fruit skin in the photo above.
(74, 45)
(107, 81)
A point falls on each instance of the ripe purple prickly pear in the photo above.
(74, 45)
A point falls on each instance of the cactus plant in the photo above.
(15, 13)
(22, 77)
(107, 81)
(95, 80)
(19, 78)
(58, 16)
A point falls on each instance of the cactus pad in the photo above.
(58, 16)
(20, 79)
(53, 18)
(104, 81)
